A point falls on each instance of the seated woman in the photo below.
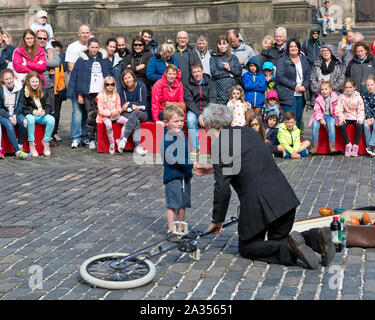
(11, 105)
(133, 95)
(168, 89)
(37, 110)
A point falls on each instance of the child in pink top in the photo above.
(324, 114)
(238, 105)
(350, 109)
(109, 110)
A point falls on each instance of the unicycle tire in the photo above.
(99, 271)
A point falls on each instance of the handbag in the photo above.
(360, 236)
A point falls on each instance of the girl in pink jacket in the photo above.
(29, 56)
(324, 114)
(109, 110)
(168, 88)
(350, 110)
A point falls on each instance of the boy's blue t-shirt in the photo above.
(174, 149)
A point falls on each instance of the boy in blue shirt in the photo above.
(177, 168)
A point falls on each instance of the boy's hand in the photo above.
(322, 122)
(370, 121)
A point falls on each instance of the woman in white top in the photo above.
(292, 79)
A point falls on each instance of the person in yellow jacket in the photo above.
(289, 137)
(60, 89)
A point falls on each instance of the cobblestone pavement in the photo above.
(79, 203)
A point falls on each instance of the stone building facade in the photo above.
(254, 18)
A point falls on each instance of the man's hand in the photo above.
(218, 227)
(202, 169)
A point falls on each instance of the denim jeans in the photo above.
(297, 107)
(47, 120)
(324, 24)
(9, 127)
(330, 124)
(78, 124)
(192, 124)
(370, 138)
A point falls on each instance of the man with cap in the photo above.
(41, 23)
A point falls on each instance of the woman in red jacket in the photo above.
(29, 56)
(168, 88)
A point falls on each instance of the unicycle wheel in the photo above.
(107, 271)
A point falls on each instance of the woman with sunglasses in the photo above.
(133, 95)
(137, 62)
(29, 57)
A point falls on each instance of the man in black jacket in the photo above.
(268, 203)
(198, 93)
(274, 53)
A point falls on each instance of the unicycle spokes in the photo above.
(109, 271)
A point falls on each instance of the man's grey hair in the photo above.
(357, 37)
(217, 116)
(281, 29)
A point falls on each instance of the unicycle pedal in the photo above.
(180, 228)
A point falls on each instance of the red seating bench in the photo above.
(39, 134)
(151, 135)
(323, 145)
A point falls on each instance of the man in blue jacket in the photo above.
(6, 52)
(87, 80)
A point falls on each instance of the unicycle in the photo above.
(126, 271)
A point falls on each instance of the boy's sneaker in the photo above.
(139, 150)
(172, 237)
(121, 143)
(75, 144)
(23, 155)
(92, 145)
(354, 152)
(348, 150)
(20, 146)
(1, 154)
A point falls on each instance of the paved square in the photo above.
(79, 203)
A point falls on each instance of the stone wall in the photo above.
(254, 18)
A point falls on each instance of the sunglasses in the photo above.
(112, 84)
(137, 44)
(40, 38)
(254, 124)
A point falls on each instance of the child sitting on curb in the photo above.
(290, 138)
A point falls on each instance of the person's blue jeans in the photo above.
(323, 21)
(303, 153)
(9, 127)
(192, 124)
(78, 124)
(370, 138)
(297, 107)
(47, 120)
(330, 124)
